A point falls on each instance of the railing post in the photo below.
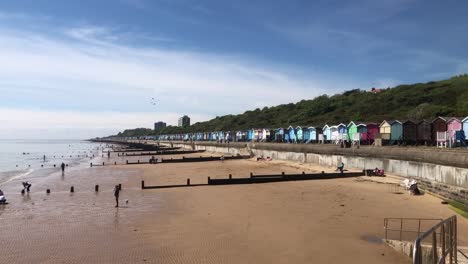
(455, 238)
(434, 246)
(442, 241)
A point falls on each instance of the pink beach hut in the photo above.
(371, 130)
(453, 124)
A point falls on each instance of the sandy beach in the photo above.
(318, 221)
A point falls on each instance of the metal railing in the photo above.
(405, 227)
(448, 243)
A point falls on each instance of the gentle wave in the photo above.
(8, 176)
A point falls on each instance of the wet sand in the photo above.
(320, 221)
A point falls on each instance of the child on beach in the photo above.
(340, 167)
(26, 186)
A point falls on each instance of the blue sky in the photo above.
(89, 68)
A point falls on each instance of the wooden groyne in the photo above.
(163, 152)
(263, 178)
(172, 160)
(191, 159)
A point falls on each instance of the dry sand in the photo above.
(319, 221)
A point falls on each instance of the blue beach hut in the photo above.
(465, 126)
(292, 135)
(250, 134)
(326, 133)
(396, 132)
(299, 134)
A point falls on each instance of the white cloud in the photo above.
(72, 70)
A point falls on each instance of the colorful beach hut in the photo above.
(465, 126)
(311, 133)
(299, 134)
(356, 128)
(410, 131)
(250, 135)
(453, 125)
(342, 132)
(396, 133)
(292, 135)
(439, 129)
(265, 135)
(334, 134)
(326, 133)
(385, 129)
(368, 132)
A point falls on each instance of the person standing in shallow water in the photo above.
(116, 194)
(63, 167)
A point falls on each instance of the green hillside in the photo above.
(416, 101)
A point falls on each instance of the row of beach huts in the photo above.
(442, 131)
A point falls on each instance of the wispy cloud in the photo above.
(88, 68)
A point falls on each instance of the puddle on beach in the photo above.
(372, 239)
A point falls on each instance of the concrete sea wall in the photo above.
(444, 172)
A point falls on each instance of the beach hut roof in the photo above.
(410, 121)
(424, 121)
(357, 123)
(395, 121)
(454, 118)
(340, 124)
(465, 119)
(298, 127)
(440, 117)
(386, 121)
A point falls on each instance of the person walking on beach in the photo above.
(63, 167)
(108, 153)
(116, 194)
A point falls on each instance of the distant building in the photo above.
(159, 125)
(184, 121)
(375, 90)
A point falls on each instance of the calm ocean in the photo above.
(20, 157)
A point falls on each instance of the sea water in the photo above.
(19, 157)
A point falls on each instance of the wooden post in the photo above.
(48, 191)
(127, 161)
(72, 189)
(209, 180)
(103, 163)
(188, 182)
(251, 174)
(142, 185)
(96, 188)
(230, 176)
(115, 162)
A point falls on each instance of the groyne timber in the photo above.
(440, 171)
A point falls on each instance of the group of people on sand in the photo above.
(27, 188)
